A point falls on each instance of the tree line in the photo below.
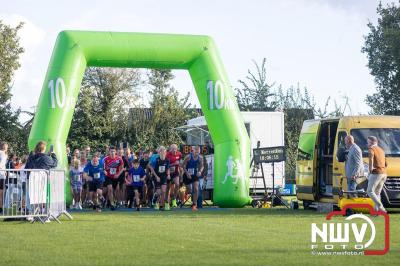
(103, 113)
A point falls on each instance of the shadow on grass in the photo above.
(207, 211)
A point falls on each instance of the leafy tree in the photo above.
(101, 112)
(256, 94)
(167, 112)
(10, 51)
(382, 47)
(295, 103)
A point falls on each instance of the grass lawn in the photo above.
(209, 237)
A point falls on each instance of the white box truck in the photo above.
(265, 127)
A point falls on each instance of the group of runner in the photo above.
(161, 179)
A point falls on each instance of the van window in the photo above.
(388, 139)
(306, 146)
(341, 136)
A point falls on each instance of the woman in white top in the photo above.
(3, 161)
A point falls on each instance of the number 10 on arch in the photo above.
(217, 97)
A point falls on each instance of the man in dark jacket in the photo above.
(40, 160)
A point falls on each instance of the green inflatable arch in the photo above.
(75, 50)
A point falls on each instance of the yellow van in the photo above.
(319, 173)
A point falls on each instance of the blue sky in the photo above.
(314, 43)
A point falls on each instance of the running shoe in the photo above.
(112, 207)
(174, 205)
(156, 206)
(167, 208)
(194, 208)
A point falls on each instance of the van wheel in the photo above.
(306, 204)
(294, 205)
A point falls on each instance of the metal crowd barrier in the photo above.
(32, 194)
(57, 204)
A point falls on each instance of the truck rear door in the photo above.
(306, 167)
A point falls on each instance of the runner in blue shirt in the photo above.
(137, 176)
(94, 173)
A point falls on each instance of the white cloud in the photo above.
(27, 84)
(31, 36)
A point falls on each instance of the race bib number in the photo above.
(161, 169)
(113, 171)
(172, 169)
(76, 177)
(191, 171)
(96, 175)
(136, 178)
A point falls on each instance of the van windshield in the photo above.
(388, 139)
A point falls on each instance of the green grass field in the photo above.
(179, 237)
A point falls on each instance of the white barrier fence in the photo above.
(57, 204)
(32, 194)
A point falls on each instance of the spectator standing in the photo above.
(354, 166)
(3, 162)
(39, 160)
(377, 170)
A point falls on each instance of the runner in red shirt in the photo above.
(113, 168)
(174, 156)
